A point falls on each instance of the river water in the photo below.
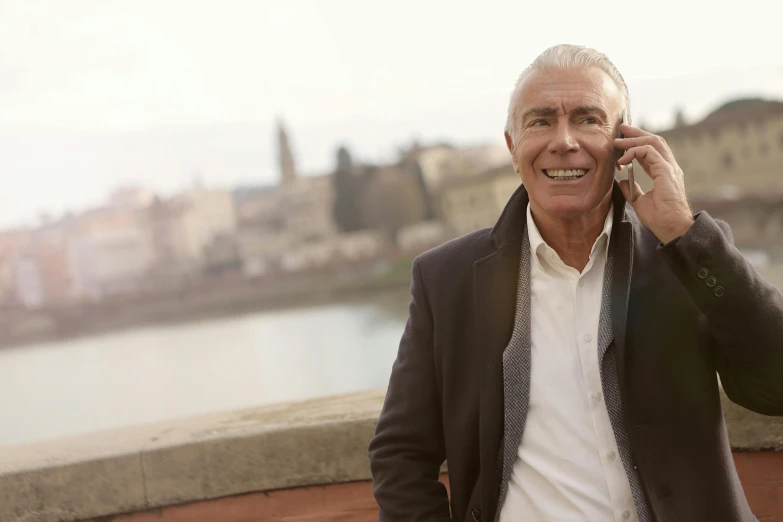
(152, 374)
(159, 373)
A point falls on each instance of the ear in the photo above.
(510, 145)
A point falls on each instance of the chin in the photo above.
(567, 207)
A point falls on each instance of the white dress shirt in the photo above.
(568, 467)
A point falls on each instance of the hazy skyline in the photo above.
(99, 93)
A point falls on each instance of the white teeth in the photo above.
(572, 173)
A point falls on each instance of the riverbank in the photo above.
(219, 297)
(209, 299)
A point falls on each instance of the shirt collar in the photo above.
(537, 242)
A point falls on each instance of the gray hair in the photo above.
(567, 57)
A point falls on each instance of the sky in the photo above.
(97, 94)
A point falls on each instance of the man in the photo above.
(565, 363)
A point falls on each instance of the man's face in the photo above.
(562, 147)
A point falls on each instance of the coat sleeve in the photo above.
(407, 451)
(744, 313)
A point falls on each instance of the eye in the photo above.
(538, 123)
(590, 121)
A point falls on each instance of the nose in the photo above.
(564, 140)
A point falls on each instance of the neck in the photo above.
(573, 239)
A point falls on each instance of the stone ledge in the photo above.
(749, 431)
(316, 442)
(320, 441)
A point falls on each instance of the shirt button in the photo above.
(711, 281)
(719, 291)
(597, 396)
(588, 338)
(626, 515)
(702, 273)
(611, 455)
(581, 283)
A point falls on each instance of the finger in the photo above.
(633, 132)
(647, 156)
(657, 142)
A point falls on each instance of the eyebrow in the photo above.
(539, 111)
(551, 111)
(590, 109)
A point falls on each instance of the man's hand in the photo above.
(664, 209)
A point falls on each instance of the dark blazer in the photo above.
(674, 327)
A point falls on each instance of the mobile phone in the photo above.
(632, 189)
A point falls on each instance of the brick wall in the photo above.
(762, 478)
(761, 474)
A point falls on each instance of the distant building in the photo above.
(222, 255)
(299, 208)
(735, 150)
(51, 248)
(475, 202)
(359, 246)
(756, 220)
(111, 251)
(344, 248)
(261, 250)
(441, 165)
(40, 268)
(314, 254)
(306, 208)
(733, 165)
(131, 198)
(111, 262)
(258, 207)
(285, 156)
(29, 282)
(273, 220)
(8, 295)
(86, 256)
(185, 225)
(12, 243)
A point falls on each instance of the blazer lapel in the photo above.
(496, 282)
(516, 373)
(495, 288)
(605, 330)
(622, 270)
(617, 276)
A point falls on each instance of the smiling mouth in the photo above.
(564, 175)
